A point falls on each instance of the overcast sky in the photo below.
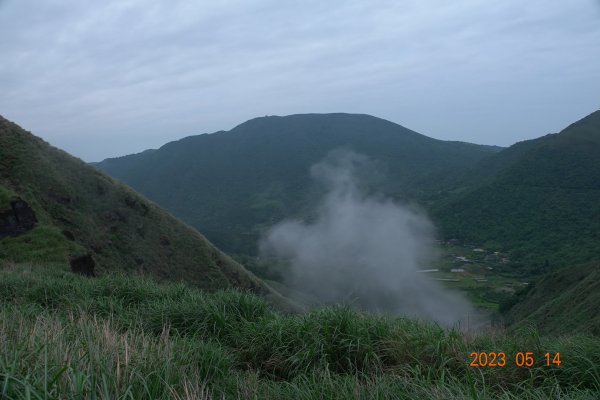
(108, 78)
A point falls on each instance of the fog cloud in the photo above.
(363, 249)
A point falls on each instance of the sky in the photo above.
(108, 78)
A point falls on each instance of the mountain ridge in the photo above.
(539, 199)
(266, 160)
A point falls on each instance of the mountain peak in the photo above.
(247, 178)
(320, 121)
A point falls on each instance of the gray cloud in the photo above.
(363, 250)
(113, 77)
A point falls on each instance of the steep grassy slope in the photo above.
(120, 338)
(80, 210)
(539, 200)
(232, 184)
(562, 302)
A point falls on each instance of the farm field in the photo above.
(486, 277)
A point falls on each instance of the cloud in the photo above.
(136, 74)
(363, 250)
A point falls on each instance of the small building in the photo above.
(457, 270)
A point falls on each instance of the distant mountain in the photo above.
(562, 302)
(538, 199)
(232, 185)
(54, 207)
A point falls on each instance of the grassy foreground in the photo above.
(120, 337)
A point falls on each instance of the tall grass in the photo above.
(84, 357)
(119, 337)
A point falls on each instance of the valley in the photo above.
(488, 278)
(157, 288)
(532, 207)
(316, 200)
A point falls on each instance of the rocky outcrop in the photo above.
(83, 265)
(18, 220)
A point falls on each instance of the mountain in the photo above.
(55, 208)
(232, 185)
(538, 199)
(123, 335)
(561, 302)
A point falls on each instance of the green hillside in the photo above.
(126, 335)
(68, 337)
(77, 210)
(562, 302)
(231, 185)
(539, 200)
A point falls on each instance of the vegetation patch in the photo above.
(42, 244)
(120, 336)
(81, 211)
